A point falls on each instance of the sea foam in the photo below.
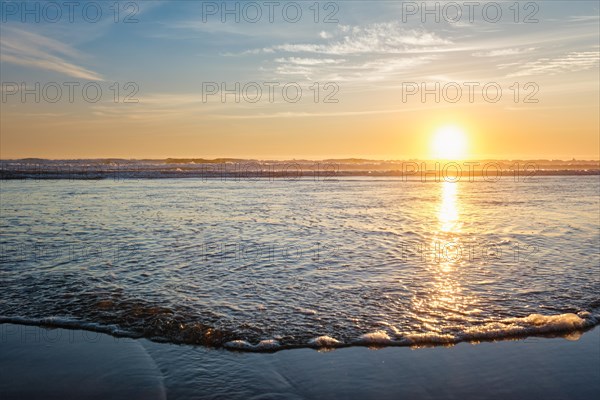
(324, 341)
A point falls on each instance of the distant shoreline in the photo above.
(240, 169)
(224, 160)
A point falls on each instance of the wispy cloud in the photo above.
(351, 70)
(373, 52)
(571, 62)
(21, 47)
(584, 18)
(383, 38)
(504, 52)
(309, 61)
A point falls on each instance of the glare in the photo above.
(448, 213)
(449, 143)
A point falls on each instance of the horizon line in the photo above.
(354, 159)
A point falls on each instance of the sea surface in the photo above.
(264, 264)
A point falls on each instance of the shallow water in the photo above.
(304, 262)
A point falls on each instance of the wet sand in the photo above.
(38, 363)
(58, 363)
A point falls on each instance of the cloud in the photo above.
(377, 38)
(368, 53)
(385, 38)
(504, 52)
(358, 70)
(309, 61)
(584, 18)
(572, 62)
(29, 49)
(350, 113)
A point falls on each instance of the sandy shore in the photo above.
(58, 363)
(39, 363)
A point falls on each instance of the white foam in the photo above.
(533, 324)
(430, 338)
(239, 344)
(324, 341)
(267, 344)
(377, 337)
(562, 321)
(530, 325)
(270, 344)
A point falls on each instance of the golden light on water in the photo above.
(448, 211)
(445, 296)
(447, 240)
(449, 143)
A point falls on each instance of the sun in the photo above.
(449, 143)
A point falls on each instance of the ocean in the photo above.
(262, 264)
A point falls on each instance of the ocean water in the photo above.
(262, 264)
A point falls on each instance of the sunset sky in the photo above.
(371, 54)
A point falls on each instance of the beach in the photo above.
(58, 363)
(328, 200)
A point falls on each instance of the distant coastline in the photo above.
(237, 168)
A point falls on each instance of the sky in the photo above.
(337, 79)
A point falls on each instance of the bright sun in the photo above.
(449, 143)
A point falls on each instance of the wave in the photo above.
(560, 325)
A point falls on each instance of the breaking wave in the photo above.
(561, 325)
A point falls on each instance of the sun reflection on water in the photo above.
(448, 213)
(446, 240)
(445, 302)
